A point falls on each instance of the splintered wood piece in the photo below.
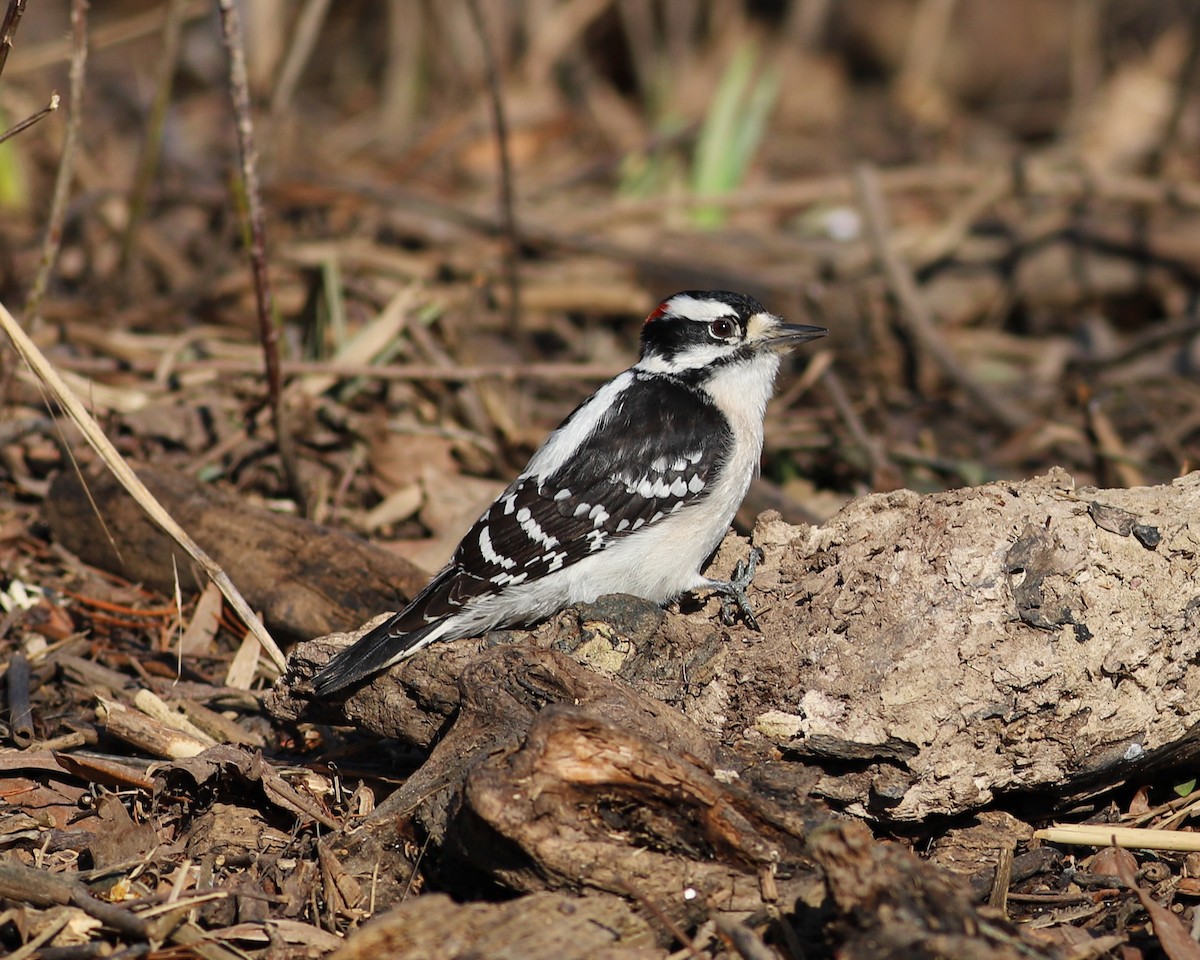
(153, 706)
(197, 638)
(146, 733)
(244, 666)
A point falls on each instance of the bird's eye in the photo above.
(721, 329)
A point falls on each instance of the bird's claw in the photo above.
(734, 602)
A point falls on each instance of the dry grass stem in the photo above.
(52, 238)
(239, 86)
(66, 398)
(1129, 838)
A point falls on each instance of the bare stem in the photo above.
(30, 121)
(507, 201)
(152, 147)
(239, 87)
(8, 28)
(914, 312)
(52, 240)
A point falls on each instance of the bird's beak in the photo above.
(768, 330)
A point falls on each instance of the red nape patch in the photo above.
(657, 312)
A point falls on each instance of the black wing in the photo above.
(656, 451)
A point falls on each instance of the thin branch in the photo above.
(67, 399)
(231, 31)
(914, 313)
(147, 166)
(66, 165)
(304, 41)
(30, 121)
(884, 475)
(104, 37)
(8, 28)
(507, 201)
(386, 371)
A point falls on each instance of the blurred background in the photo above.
(993, 207)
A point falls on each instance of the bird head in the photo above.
(699, 332)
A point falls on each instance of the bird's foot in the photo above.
(734, 602)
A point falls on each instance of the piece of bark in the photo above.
(890, 904)
(541, 926)
(555, 778)
(305, 579)
(585, 803)
(413, 701)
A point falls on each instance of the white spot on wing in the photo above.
(534, 530)
(489, 552)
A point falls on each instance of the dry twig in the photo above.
(113, 460)
(152, 146)
(507, 203)
(29, 121)
(8, 28)
(66, 166)
(239, 86)
(914, 314)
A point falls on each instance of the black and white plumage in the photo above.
(631, 494)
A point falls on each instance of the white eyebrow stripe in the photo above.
(702, 311)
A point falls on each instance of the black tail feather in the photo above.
(372, 652)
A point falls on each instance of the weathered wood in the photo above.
(887, 903)
(928, 653)
(542, 926)
(552, 777)
(306, 579)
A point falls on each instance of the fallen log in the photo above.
(922, 654)
(306, 579)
